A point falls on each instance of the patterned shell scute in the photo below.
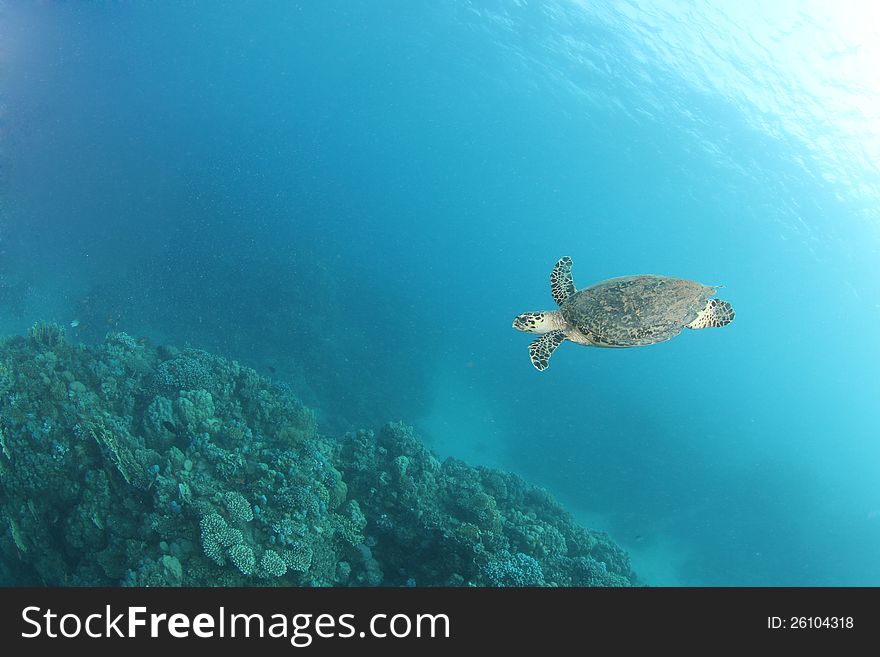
(635, 310)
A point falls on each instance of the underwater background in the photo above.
(356, 198)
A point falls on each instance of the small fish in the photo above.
(74, 323)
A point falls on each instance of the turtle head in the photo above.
(541, 322)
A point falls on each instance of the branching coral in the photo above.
(46, 335)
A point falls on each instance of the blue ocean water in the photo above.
(358, 197)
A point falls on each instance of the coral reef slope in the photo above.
(126, 464)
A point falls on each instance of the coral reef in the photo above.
(124, 464)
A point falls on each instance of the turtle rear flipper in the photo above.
(561, 283)
(541, 349)
(716, 313)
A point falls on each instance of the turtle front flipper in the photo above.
(716, 313)
(561, 284)
(541, 349)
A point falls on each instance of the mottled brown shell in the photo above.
(635, 310)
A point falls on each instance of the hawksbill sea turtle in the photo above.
(631, 311)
